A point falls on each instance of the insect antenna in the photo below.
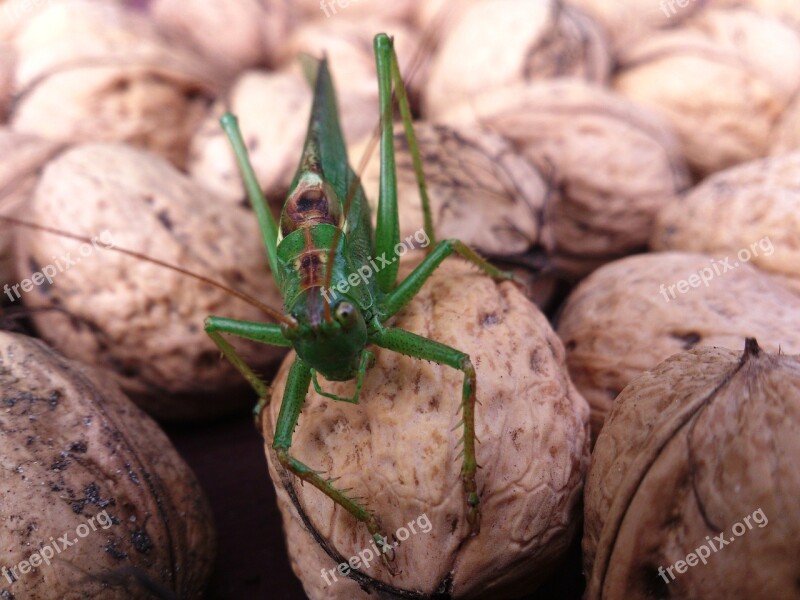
(425, 47)
(275, 314)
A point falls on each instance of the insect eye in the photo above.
(345, 313)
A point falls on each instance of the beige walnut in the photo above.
(722, 81)
(234, 35)
(398, 448)
(481, 192)
(138, 319)
(631, 314)
(611, 165)
(80, 460)
(751, 211)
(273, 107)
(787, 10)
(627, 21)
(331, 10)
(274, 137)
(786, 134)
(439, 16)
(91, 71)
(15, 13)
(699, 450)
(348, 45)
(21, 158)
(497, 43)
(7, 63)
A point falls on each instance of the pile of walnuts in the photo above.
(636, 164)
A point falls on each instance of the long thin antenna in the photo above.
(275, 314)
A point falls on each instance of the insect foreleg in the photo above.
(293, 398)
(417, 346)
(266, 333)
(266, 222)
(408, 288)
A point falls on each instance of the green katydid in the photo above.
(325, 235)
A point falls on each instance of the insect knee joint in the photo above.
(283, 456)
(466, 366)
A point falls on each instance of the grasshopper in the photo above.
(325, 235)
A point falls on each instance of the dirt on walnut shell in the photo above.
(86, 470)
(718, 429)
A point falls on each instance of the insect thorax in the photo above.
(304, 256)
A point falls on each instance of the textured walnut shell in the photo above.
(481, 192)
(16, 13)
(497, 43)
(626, 21)
(21, 158)
(273, 107)
(348, 44)
(612, 165)
(398, 448)
(738, 71)
(398, 10)
(751, 211)
(439, 16)
(96, 72)
(234, 35)
(7, 64)
(274, 137)
(620, 322)
(139, 319)
(786, 10)
(786, 135)
(74, 447)
(693, 449)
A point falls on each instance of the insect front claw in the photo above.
(258, 411)
(474, 520)
(388, 554)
